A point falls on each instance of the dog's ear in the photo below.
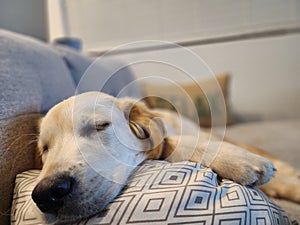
(138, 130)
(143, 122)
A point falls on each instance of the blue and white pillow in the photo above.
(167, 193)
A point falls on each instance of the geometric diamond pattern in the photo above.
(167, 193)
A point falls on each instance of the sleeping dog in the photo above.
(91, 143)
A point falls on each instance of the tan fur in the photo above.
(286, 181)
(101, 161)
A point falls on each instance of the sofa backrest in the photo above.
(33, 78)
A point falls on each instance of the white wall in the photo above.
(26, 16)
(266, 79)
(265, 82)
(57, 19)
(105, 24)
(266, 75)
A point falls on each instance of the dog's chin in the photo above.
(85, 203)
(66, 218)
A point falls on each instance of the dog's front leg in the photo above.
(227, 160)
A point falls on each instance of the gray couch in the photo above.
(33, 77)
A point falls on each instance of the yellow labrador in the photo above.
(91, 143)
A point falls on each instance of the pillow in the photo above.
(167, 193)
(106, 74)
(207, 96)
(29, 72)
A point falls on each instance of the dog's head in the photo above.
(89, 145)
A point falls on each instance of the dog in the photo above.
(91, 143)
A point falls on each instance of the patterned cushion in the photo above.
(207, 96)
(167, 193)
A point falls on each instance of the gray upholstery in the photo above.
(38, 69)
(109, 75)
(33, 78)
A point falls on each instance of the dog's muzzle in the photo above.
(50, 193)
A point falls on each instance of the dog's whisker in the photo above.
(20, 153)
(76, 152)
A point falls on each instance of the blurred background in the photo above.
(258, 42)
(254, 44)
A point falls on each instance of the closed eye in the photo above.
(45, 148)
(101, 125)
(90, 127)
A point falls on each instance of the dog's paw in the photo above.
(252, 169)
(242, 166)
(237, 164)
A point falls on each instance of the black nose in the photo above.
(50, 193)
